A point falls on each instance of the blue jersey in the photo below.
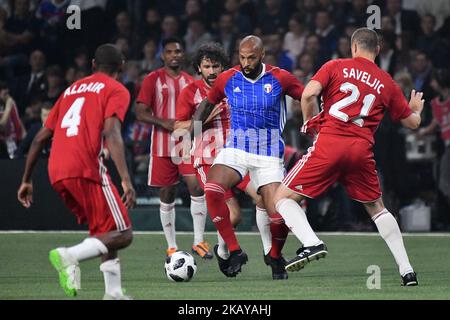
(257, 108)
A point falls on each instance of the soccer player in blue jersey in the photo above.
(256, 94)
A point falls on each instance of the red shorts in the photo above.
(348, 160)
(162, 172)
(202, 173)
(99, 206)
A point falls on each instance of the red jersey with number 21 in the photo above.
(355, 95)
(77, 122)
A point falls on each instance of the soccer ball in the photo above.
(180, 267)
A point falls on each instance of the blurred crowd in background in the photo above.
(40, 57)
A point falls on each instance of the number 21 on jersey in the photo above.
(335, 109)
(72, 118)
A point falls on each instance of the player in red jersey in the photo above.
(156, 105)
(209, 61)
(355, 95)
(87, 114)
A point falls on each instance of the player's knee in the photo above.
(127, 238)
(167, 194)
(259, 202)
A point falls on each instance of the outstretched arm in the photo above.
(113, 137)
(25, 192)
(416, 104)
(202, 113)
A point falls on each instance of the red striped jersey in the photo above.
(14, 129)
(213, 137)
(77, 121)
(159, 92)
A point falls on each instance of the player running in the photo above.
(85, 116)
(355, 95)
(256, 96)
(156, 105)
(209, 61)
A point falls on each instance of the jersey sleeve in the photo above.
(185, 107)
(52, 120)
(398, 107)
(323, 76)
(117, 103)
(217, 92)
(147, 93)
(291, 85)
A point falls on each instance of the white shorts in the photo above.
(263, 169)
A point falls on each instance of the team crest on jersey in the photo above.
(268, 88)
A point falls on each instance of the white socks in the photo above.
(263, 223)
(167, 215)
(112, 277)
(222, 250)
(198, 212)
(390, 232)
(295, 219)
(89, 248)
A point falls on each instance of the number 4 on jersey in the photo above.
(72, 118)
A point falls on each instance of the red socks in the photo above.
(220, 215)
(279, 234)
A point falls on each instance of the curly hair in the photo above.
(211, 51)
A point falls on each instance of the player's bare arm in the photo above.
(309, 100)
(145, 115)
(416, 104)
(25, 192)
(202, 113)
(113, 136)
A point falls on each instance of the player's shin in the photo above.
(88, 249)
(198, 212)
(112, 276)
(167, 215)
(263, 224)
(220, 214)
(390, 232)
(295, 218)
(279, 232)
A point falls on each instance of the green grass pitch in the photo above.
(25, 272)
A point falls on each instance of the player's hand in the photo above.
(168, 124)
(25, 194)
(215, 112)
(129, 195)
(416, 102)
(312, 126)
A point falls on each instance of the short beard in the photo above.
(255, 73)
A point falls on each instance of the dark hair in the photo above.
(366, 38)
(3, 85)
(47, 105)
(211, 51)
(108, 58)
(442, 77)
(55, 70)
(166, 41)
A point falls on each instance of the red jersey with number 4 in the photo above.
(213, 137)
(355, 95)
(159, 92)
(77, 121)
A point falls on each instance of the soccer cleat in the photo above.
(305, 255)
(278, 267)
(69, 272)
(116, 297)
(237, 259)
(202, 249)
(410, 279)
(171, 251)
(223, 264)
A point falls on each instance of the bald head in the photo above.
(251, 54)
(252, 42)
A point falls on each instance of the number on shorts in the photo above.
(72, 118)
(368, 101)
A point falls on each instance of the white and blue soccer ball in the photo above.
(180, 267)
